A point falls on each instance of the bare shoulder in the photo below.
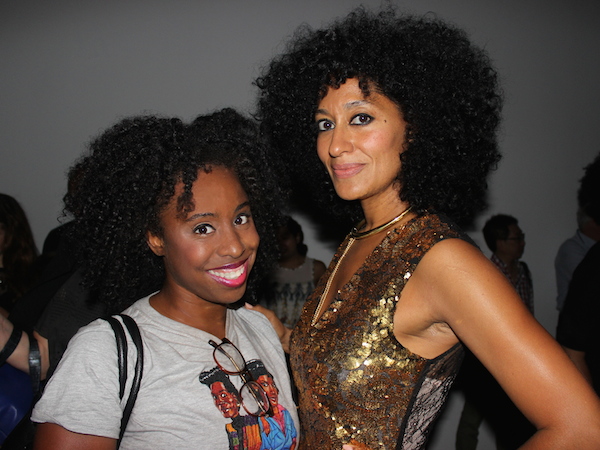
(453, 287)
(454, 267)
(461, 290)
(453, 251)
(459, 282)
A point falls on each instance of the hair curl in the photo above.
(129, 177)
(444, 86)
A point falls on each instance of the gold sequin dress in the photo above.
(355, 380)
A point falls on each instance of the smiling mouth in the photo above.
(233, 275)
(346, 170)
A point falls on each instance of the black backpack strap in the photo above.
(11, 344)
(121, 353)
(35, 364)
(134, 332)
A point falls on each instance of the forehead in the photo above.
(216, 178)
(513, 229)
(219, 189)
(349, 95)
(217, 386)
(265, 377)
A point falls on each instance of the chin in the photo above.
(347, 195)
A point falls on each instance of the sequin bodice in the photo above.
(355, 380)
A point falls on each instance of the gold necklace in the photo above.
(317, 313)
(354, 233)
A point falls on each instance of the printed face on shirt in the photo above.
(268, 384)
(226, 401)
(209, 253)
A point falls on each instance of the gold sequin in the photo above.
(355, 380)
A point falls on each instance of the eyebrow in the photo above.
(209, 214)
(347, 106)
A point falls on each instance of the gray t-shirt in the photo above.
(174, 409)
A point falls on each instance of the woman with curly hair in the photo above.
(403, 113)
(18, 253)
(174, 211)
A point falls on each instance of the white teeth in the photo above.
(229, 274)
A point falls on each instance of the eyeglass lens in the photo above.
(229, 358)
(254, 399)
(231, 361)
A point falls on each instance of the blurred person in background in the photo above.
(18, 253)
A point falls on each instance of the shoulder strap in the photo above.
(139, 368)
(11, 344)
(122, 362)
(121, 352)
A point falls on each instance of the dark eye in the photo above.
(204, 228)
(325, 124)
(361, 119)
(242, 219)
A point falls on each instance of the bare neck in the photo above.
(382, 209)
(191, 311)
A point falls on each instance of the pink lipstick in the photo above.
(346, 170)
(231, 275)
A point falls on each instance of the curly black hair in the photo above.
(588, 194)
(128, 178)
(444, 86)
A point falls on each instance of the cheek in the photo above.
(252, 239)
(385, 146)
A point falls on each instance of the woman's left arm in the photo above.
(50, 436)
(465, 291)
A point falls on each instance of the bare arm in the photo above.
(50, 436)
(463, 290)
(282, 331)
(578, 359)
(20, 357)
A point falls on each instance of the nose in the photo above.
(232, 244)
(340, 142)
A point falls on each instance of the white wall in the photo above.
(69, 69)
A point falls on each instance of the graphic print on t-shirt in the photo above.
(275, 431)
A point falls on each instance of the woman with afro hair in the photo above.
(391, 121)
(172, 213)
